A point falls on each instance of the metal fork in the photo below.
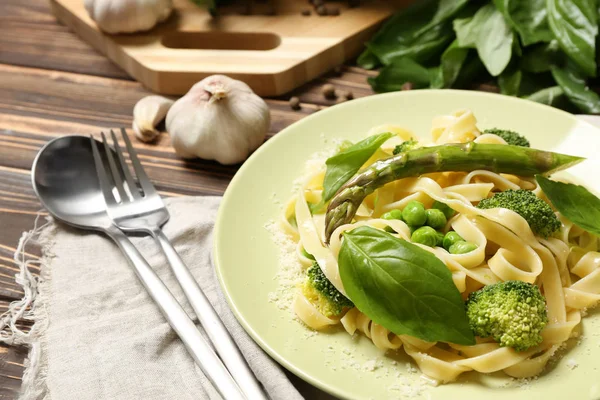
(143, 211)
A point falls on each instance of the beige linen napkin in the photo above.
(99, 336)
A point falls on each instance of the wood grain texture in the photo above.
(52, 84)
(272, 54)
(31, 37)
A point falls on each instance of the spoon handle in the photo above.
(210, 321)
(196, 344)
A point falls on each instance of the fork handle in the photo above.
(189, 334)
(210, 321)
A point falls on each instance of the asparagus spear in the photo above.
(522, 161)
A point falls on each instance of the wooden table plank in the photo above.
(11, 370)
(32, 37)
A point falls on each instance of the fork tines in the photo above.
(122, 180)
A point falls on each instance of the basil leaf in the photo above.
(422, 48)
(472, 70)
(528, 18)
(577, 90)
(488, 32)
(451, 63)
(317, 208)
(466, 30)
(345, 164)
(368, 60)
(574, 202)
(494, 41)
(575, 26)
(448, 9)
(420, 32)
(510, 82)
(393, 76)
(402, 287)
(541, 57)
(553, 96)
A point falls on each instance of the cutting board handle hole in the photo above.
(221, 40)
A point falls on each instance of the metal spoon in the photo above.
(65, 180)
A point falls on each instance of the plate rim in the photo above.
(338, 392)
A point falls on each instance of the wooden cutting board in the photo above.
(273, 54)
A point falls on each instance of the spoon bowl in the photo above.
(65, 180)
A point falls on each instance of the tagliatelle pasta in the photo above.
(565, 266)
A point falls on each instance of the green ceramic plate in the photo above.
(247, 259)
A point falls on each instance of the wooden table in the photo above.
(51, 84)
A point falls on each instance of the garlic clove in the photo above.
(147, 113)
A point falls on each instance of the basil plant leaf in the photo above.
(393, 76)
(452, 62)
(542, 57)
(346, 163)
(448, 8)
(466, 31)
(472, 70)
(552, 96)
(490, 34)
(368, 60)
(402, 287)
(576, 89)
(575, 26)
(574, 202)
(494, 41)
(420, 32)
(510, 82)
(529, 18)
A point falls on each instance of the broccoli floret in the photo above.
(510, 137)
(536, 211)
(513, 313)
(322, 294)
(405, 146)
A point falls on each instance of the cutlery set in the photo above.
(87, 184)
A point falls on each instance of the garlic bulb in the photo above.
(125, 16)
(218, 119)
(147, 113)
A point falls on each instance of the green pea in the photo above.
(414, 213)
(443, 207)
(307, 254)
(450, 238)
(439, 236)
(425, 235)
(462, 247)
(435, 218)
(394, 214)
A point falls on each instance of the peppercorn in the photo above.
(295, 103)
(328, 91)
